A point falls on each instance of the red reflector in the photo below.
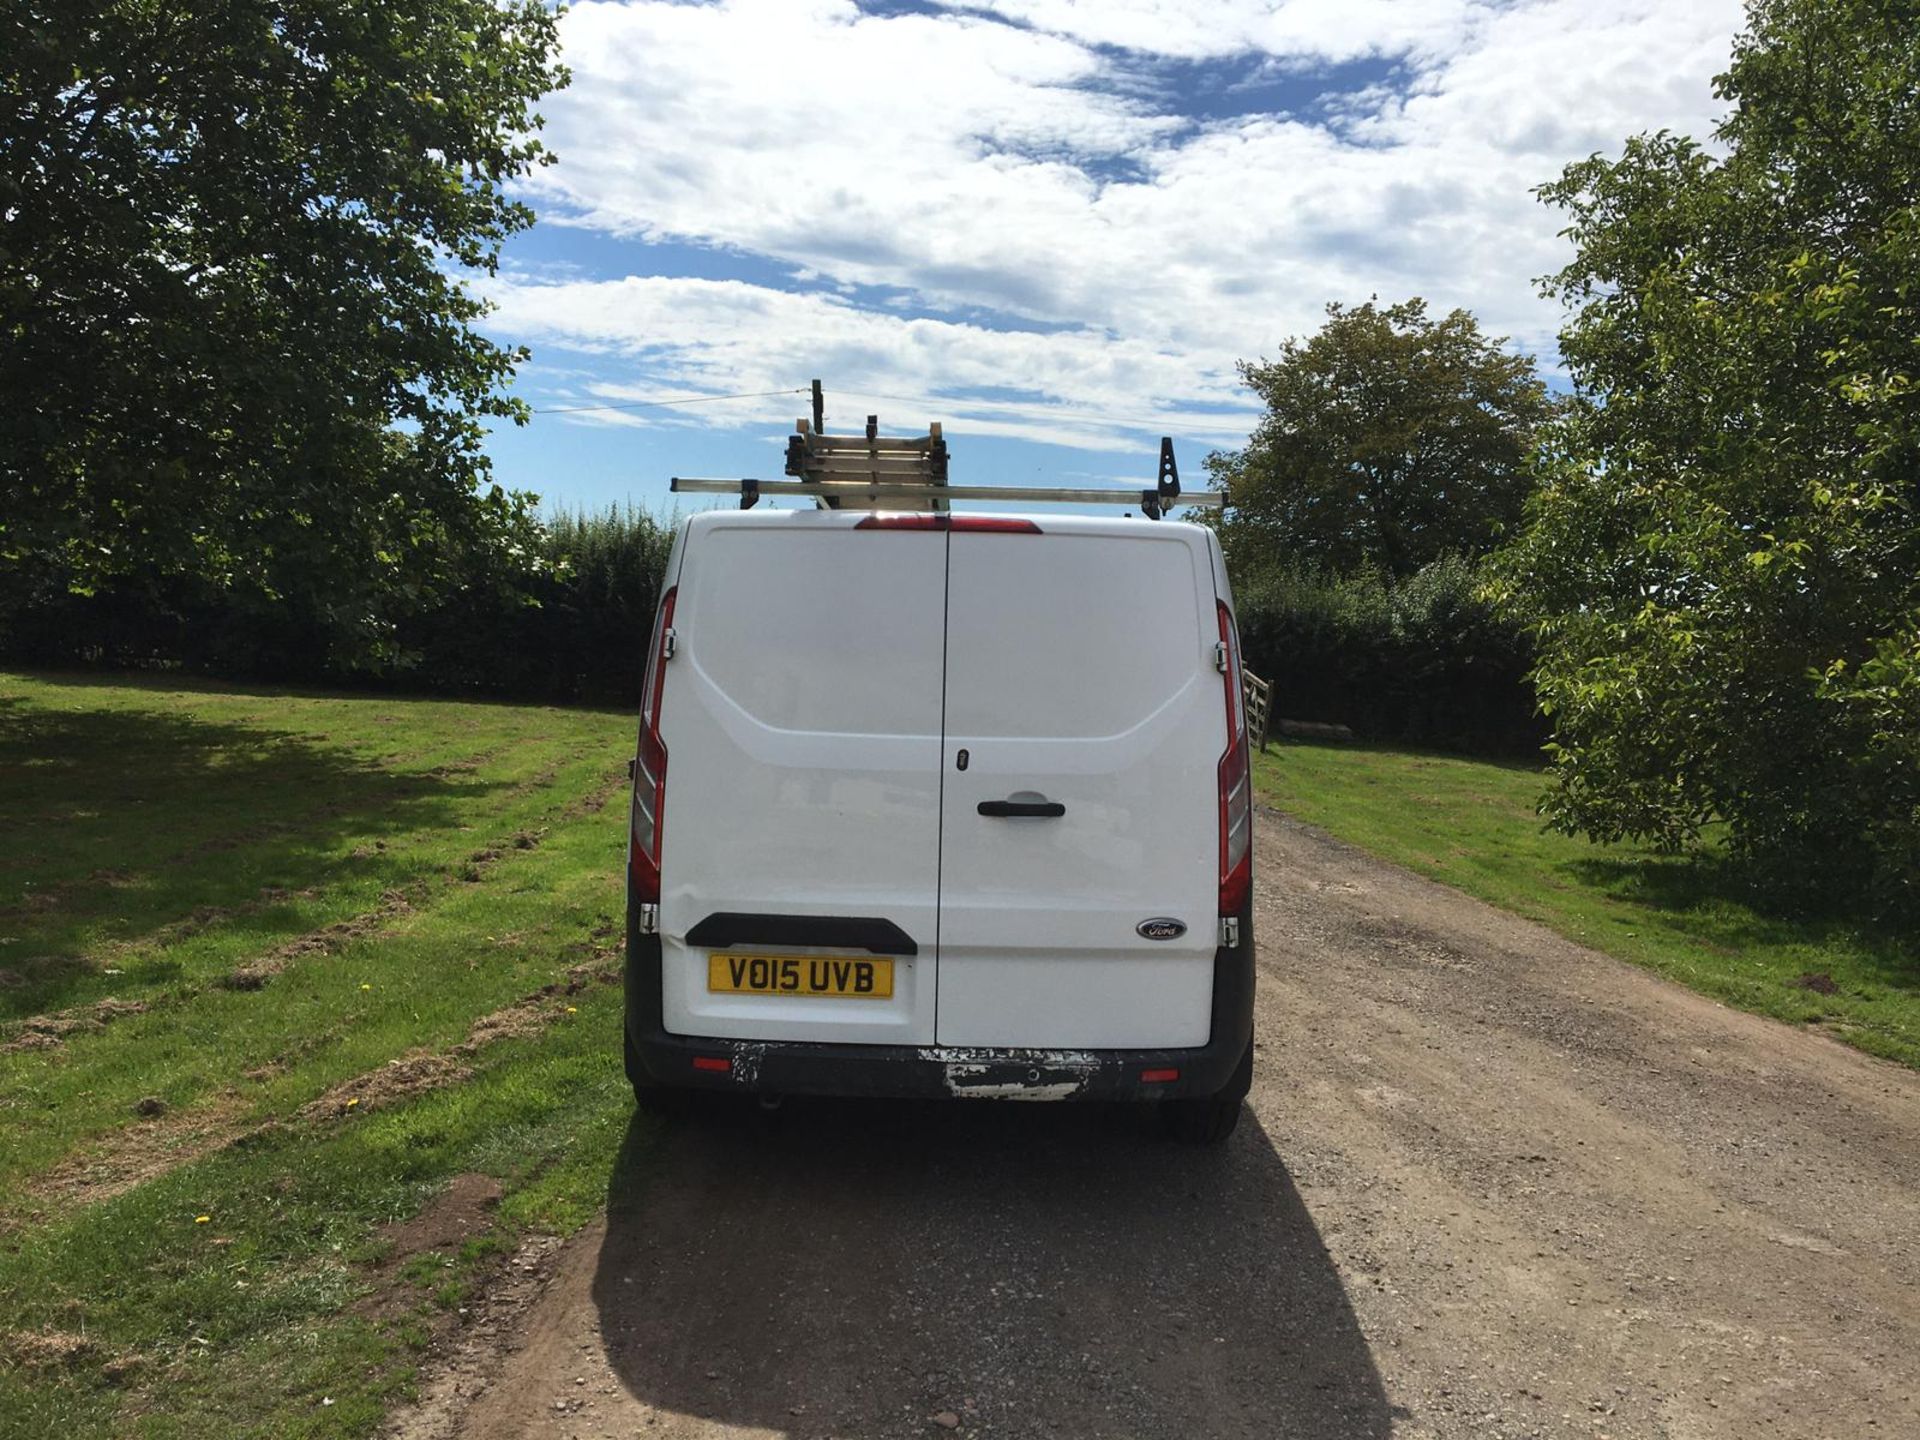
(719, 1064)
(1158, 1077)
(978, 524)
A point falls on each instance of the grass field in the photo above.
(275, 968)
(224, 916)
(1471, 824)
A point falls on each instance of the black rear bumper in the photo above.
(932, 1071)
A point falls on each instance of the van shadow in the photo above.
(856, 1268)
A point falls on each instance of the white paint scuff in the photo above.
(967, 1068)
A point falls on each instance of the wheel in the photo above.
(651, 1096)
(1200, 1122)
(1210, 1119)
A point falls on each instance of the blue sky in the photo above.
(1054, 225)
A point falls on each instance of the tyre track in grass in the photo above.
(1493, 1185)
(49, 1032)
(212, 918)
(142, 1152)
(55, 898)
(473, 870)
(109, 1162)
(41, 1032)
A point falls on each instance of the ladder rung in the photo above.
(859, 467)
(860, 445)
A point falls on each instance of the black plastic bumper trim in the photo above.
(727, 928)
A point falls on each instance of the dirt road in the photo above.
(1491, 1184)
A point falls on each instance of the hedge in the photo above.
(570, 627)
(1421, 662)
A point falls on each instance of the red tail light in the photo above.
(976, 524)
(650, 767)
(1236, 783)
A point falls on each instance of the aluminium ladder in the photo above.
(910, 473)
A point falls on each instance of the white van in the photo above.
(944, 805)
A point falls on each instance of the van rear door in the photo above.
(802, 728)
(1080, 680)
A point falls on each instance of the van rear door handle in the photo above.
(1039, 809)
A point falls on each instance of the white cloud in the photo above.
(976, 167)
(1326, 30)
(727, 337)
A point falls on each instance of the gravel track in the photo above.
(1491, 1184)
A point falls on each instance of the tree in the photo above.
(1722, 566)
(1389, 439)
(236, 351)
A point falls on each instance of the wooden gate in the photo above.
(1259, 695)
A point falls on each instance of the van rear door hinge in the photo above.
(669, 642)
(1220, 660)
(1229, 932)
(647, 922)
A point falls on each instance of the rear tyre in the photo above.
(1210, 1119)
(1200, 1122)
(651, 1096)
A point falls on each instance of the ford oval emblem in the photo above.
(1162, 927)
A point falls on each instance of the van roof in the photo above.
(1133, 527)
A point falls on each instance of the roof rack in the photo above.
(910, 473)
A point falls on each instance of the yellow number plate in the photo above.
(843, 976)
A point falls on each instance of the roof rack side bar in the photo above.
(854, 490)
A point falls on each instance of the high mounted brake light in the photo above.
(978, 524)
(1236, 782)
(650, 765)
